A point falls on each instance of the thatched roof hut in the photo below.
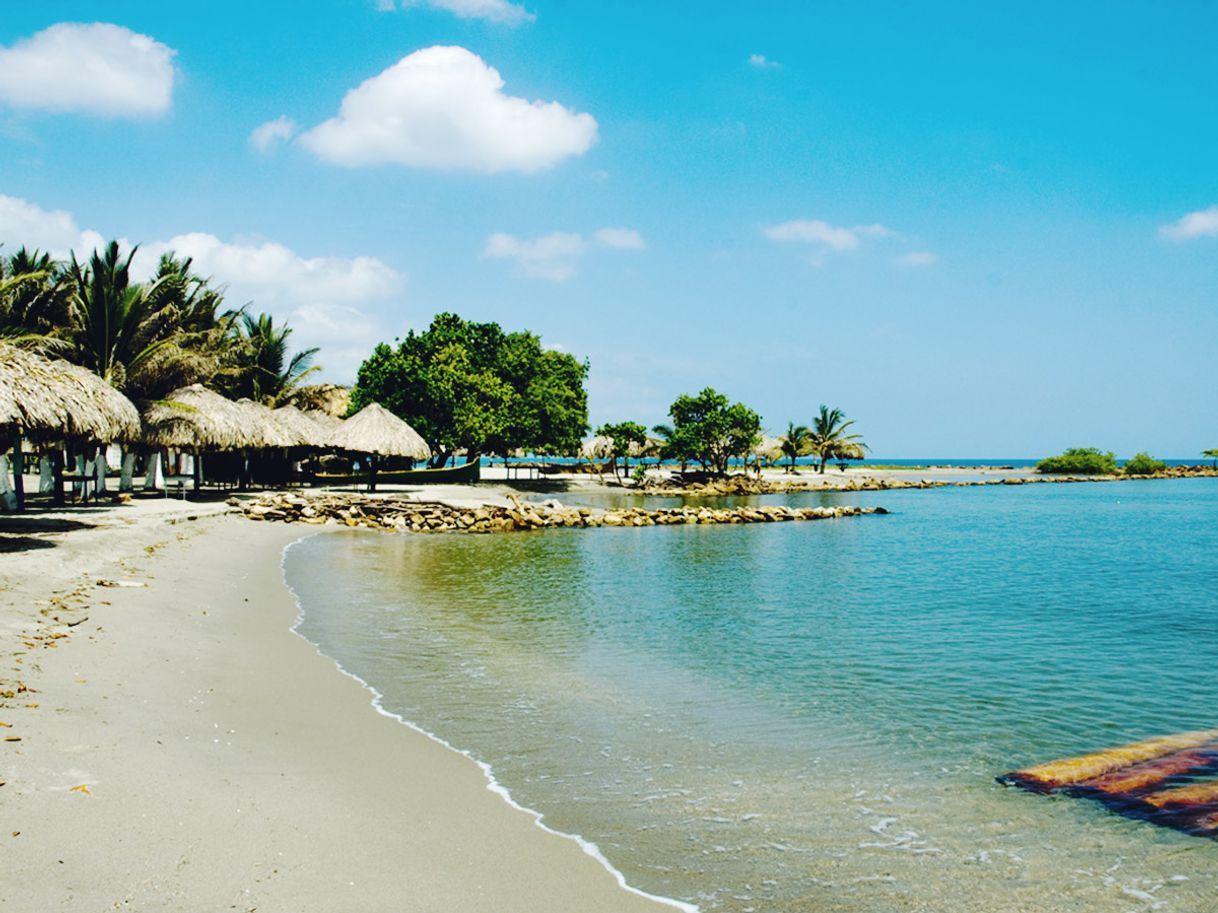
(850, 450)
(270, 426)
(46, 397)
(376, 430)
(313, 429)
(328, 398)
(597, 448)
(198, 419)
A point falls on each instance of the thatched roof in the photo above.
(195, 417)
(849, 451)
(50, 398)
(769, 447)
(597, 448)
(312, 429)
(270, 427)
(374, 429)
(329, 398)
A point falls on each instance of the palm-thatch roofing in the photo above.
(850, 450)
(270, 427)
(197, 418)
(332, 399)
(46, 397)
(313, 429)
(597, 448)
(376, 430)
(769, 447)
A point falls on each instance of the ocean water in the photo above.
(810, 716)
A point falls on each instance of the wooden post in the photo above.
(18, 470)
(198, 469)
(57, 474)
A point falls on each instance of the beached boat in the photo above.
(464, 474)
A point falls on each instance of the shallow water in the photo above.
(810, 716)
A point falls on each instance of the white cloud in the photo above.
(551, 256)
(1200, 224)
(762, 63)
(555, 256)
(835, 237)
(24, 224)
(96, 68)
(917, 258)
(444, 108)
(493, 10)
(267, 136)
(624, 238)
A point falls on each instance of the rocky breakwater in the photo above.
(742, 485)
(404, 515)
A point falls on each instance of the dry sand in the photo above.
(180, 749)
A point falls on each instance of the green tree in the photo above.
(35, 297)
(624, 437)
(1080, 461)
(470, 386)
(1143, 464)
(266, 371)
(1212, 453)
(794, 443)
(829, 437)
(710, 430)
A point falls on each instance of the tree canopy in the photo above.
(828, 438)
(624, 437)
(1080, 461)
(471, 386)
(709, 429)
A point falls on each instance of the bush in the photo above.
(1143, 465)
(1083, 461)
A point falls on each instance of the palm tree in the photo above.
(267, 372)
(829, 435)
(34, 299)
(794, 443)
(1212, 453)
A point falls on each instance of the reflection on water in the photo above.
(810, 716)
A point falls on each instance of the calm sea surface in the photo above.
(809, 717)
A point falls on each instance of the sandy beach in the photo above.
(176, 747)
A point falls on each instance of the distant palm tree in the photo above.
(269, 373)
(1212, 453)
(794, 443)
(829, 435)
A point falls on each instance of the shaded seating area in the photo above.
(373, 434)
(56, 408)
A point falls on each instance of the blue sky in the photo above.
(980, 231)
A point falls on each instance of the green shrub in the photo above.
(1083, 461)
(1143, 465)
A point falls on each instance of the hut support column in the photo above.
(126, 481)
(99, 471)
(57, 476)
(46, 475)
(8, 499)
(154, 480)
(18, 471)
(197, 464)
(371, 472)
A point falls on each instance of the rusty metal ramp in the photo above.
(1170, 781)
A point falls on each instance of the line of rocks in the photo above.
(402, 514)
(742, 485)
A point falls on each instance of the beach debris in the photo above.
(402, 514)
(122, 583)
(82, 788)
(1171, 781)
(12, 738)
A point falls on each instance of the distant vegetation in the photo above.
(1143, 465)
(1212, 453)
(710, 430)
(1082, 461)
